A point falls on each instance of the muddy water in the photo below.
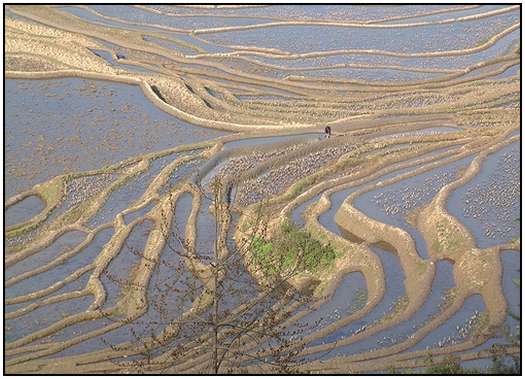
(297, 213)
(130, 192)
(43, 317)
(117, 274)
(23, 210)
(206, 226)
(408, 40)
(45, 279)
(456, 329)
(171, 272)
(501, 47)
(318, 11)
(510, 261)
(327, 219)
(211, 169)
(394, 278)
(69, 125)
(450, 15)
(489, 204)
(115, 63)
(443, 281)
(133, 14)
(98, 20)
(367, 74)
(105, 123)
(63, 243)
(348, 298)
(510, 72)
(391, 204)
(170, 45)
(421, 132)
(76, 285)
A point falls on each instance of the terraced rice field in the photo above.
(121, 121)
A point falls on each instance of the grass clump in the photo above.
(451, 365)
(292, 248)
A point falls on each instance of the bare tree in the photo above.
(229, 319)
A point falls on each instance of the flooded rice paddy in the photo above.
(157, 156)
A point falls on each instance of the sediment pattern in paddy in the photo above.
(119, 118)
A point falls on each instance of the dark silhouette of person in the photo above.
(328, 131)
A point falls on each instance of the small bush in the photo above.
(292, 248)
(450, 366)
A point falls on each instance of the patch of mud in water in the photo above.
(63, 243)
(308, 38)
(106, 123)
(443, 280)
(133, 14)
(489, 204)
(116, 276)
(391, 204)
(395, 290)
(457, 328)
(45, 279)
(43, 317)
(499, 48)
(23, 210)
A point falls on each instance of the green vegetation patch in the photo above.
(447, 237)
(292, 248)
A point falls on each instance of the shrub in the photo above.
(292, 248)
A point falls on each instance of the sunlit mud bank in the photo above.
(120, 121)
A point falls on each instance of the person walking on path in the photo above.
(328, 131)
